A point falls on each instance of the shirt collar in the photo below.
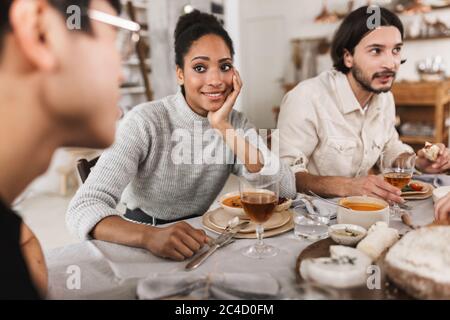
(349, 103)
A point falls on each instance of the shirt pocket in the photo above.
(376, 149)
(337, 157)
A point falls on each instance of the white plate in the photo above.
(220, 218)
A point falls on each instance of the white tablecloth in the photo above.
(111, 271)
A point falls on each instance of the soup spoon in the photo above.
(329, 201)
(406, 219)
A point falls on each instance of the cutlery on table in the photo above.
(328, 201)
(404, 206)
(406, 219)
(437, 182)
(225, 238)
(310, 213)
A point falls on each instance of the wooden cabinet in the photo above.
(423, 104)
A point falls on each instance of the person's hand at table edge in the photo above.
(442, 210)
(177, 242)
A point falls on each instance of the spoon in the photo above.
(232, 223)
(406, 219)
(329, 201)
(311, 214)
(317, 219)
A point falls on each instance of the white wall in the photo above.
(260, 30)
(233, 26)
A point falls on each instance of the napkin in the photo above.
(321, 207)
(208, 286)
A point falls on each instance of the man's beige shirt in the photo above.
(324, 131)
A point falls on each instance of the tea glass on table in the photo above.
(397, 172)
(259, 197)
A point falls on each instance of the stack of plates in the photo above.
(279, 223)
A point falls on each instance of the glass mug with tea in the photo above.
(398, 172)
(259, 197)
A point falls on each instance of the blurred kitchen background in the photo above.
(278, 43)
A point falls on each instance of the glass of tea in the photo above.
(397, 172)
(259, 197)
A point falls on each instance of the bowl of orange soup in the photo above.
(231, 202)
(363, 211)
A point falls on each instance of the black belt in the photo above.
(139, 216)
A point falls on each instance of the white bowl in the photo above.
(362, 218)
(346, 240)
(440, 192)
(239, 212)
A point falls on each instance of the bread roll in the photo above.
(346, 268)
(420, 263)
(379, 238)
(431, 151)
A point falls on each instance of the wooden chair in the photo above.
(84, 167)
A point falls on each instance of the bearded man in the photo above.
(334, 127)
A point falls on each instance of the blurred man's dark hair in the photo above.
(60, 5)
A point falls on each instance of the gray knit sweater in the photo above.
(148, 167)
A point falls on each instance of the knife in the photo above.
(221, 241)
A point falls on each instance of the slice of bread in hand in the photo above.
(431, 151)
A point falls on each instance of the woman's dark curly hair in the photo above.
(191, 27)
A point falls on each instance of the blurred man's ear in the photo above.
(31, 32)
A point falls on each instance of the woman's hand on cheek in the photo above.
(219, 119)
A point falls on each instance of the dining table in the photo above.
(95, 269)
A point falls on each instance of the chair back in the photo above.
(84, 167)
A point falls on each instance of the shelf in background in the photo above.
(417, 139)
(421, 93)
(428, 38)
(327, 40)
